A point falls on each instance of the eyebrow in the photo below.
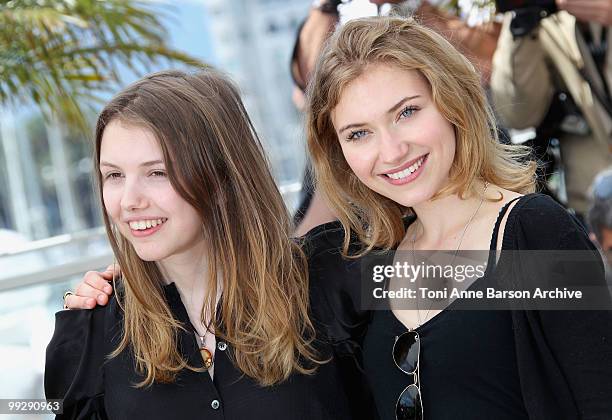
(390, 111)
(144, 164)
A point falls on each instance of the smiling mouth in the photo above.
(405, 173)
(141, 225)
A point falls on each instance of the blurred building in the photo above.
(253, 41)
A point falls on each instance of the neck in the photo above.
(189, 272)
(445, 218)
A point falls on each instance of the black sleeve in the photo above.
(74, 360)
(335, 288)
(335, 284)
(574, 347)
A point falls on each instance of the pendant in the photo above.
(206, 357)
(206, 354)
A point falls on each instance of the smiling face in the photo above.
(140, 200)
(392, 135)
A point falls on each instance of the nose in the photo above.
(132, 196)
(392, 149)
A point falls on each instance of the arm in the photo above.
(74, 359)
(566, 353)
(335, 287)
(521, 83)
(335, 291)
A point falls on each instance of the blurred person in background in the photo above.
(552, 70)
(599, 217)
(476, 39)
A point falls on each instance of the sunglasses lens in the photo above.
(406, 352)
(409, 404)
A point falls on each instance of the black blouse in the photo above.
(95, 388)
(467, 366)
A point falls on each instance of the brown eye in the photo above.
(112, 175)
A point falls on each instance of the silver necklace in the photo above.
(486, 185)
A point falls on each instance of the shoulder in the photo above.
(334, 283)
(77, 350)
(70, 325)
(323, 238)
(536, 221)
(323, 247)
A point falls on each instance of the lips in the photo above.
(145, 225)
(146, 232)
(405, 166)
(407, 172)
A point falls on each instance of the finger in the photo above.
(98, 282)
(102, 299)
(86, 290)
(79, 302)
(114, 269)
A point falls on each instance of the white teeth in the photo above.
(407, 171)
(145, 224)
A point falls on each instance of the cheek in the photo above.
(359, 160)
(111, 197)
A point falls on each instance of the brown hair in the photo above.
(456, 92)
(215, 161)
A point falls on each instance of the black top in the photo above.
(94, 389)
(467, 367)
(474, 365)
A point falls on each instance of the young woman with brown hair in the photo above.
(211, 316)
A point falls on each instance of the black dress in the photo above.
(95, 388)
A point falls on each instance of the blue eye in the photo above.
(356, 135)
(408, 111)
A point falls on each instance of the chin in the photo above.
(408, 198)
(149, 255)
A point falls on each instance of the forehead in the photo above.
(379, 87)
(128, 143)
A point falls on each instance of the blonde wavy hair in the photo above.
(216, 162)
(456, 92)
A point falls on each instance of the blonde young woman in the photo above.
(211, 316)
(403, 144)
(398, 123)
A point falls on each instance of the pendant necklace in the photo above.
(207, 356)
